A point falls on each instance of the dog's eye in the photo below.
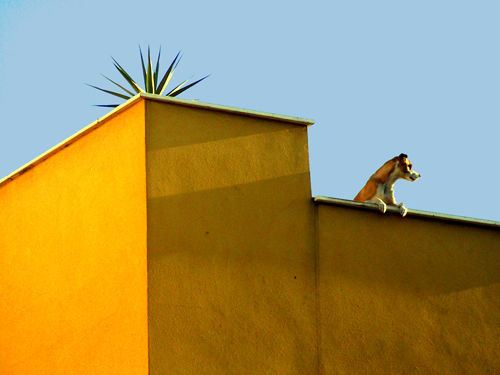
(409, 166)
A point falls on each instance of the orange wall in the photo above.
(181, 240)
(407, 296)
(247, 276)
(231, 269)
(73, 257)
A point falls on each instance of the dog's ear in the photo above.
(402, 156)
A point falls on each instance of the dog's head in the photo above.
(405, 168)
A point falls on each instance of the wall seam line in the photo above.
(316, 289)
(147, 232)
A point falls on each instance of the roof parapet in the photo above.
(222, 108)
(190, 103)
(411, 212)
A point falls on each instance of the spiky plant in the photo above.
(152, 83)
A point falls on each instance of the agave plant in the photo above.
(152, 83)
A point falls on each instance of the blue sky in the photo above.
(378, 77)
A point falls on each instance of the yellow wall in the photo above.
(247, 276)
(231, 266)
(73, 257)
(182, 240)
(407, 296)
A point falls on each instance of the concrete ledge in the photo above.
(189, 103)
(411, 212)
(222, 108)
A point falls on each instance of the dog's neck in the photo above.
(393, 177)
(387, 176)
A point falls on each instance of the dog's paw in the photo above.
(382, 206)
(403, 210)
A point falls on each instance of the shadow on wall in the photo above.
(172, 130)
(421, 256)
(248, 219)
(233, 268)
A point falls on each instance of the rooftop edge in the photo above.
(96, 124)
(68, 141)
(222, 108)
(411, 212)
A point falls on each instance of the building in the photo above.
(176, 237)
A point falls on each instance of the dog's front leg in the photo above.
(380, 203)
(402, 209)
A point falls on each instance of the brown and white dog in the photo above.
(380, 187)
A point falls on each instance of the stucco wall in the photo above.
(406, 296)
(230, 261)
(196, 226)
(73, 257)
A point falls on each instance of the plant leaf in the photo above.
(152, 82)
(143, 68)
(178, 89)
(155, 77)
(111, 92)
(149, 86)
(168, 75)
(129, 79)
(120, 86)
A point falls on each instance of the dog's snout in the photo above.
(414, 176)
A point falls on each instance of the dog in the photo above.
(380, 187)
